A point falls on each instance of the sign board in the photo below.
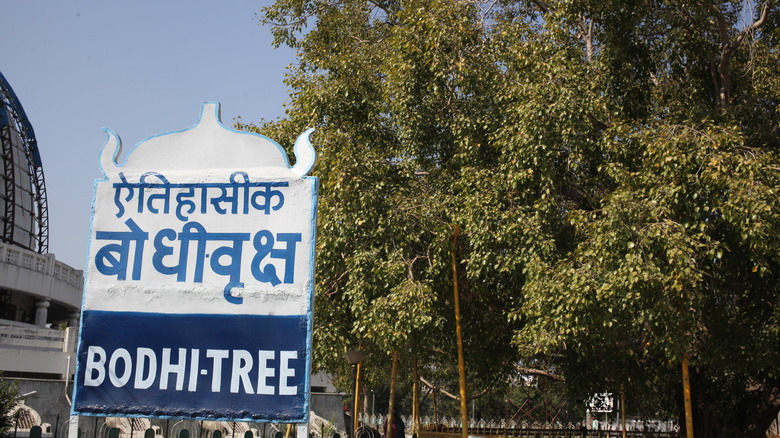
(603, 402)
(199, 285)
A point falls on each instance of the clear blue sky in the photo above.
(139, 67)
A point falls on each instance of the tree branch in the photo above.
(537, 372)
(729, 46)
(756, 24)
(451, 395)
(542, 5)
(586, 33)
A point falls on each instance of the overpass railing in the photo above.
(44, 263)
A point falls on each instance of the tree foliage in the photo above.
(8, 400)
(613, 166)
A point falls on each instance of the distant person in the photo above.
(397, 429)
(348, 421)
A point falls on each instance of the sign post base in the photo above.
(73, 427)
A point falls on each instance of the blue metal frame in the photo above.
(13, 117)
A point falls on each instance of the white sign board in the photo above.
(199, 287)
(603, 402)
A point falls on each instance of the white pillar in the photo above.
(73, 320)
(41, 312)
(302, 430)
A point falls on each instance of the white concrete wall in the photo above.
(40, 275)
(33, 350)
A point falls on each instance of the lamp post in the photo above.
(355, 357)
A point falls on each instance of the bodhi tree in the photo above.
(613, 166)
(387, 183)
(674, 212)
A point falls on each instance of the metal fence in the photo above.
(451, 428)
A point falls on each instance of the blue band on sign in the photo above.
(238, 367)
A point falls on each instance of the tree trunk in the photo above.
(391, 407)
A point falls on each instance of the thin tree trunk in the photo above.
(391, 408)
(415, 396)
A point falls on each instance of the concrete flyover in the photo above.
(55, 287)
(40, 299)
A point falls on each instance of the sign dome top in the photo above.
(208, 148)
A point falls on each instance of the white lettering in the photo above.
(143, 355)
(120, 366)
(264, 372)
(194, 361)
(96, 361)
(242, 365)
(216, 378)
(178, 368)
(286, 372)
(120, 381)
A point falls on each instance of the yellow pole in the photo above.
(623, 411)
(393, 380)
(435, 406)
(464, 412)
(687, 397)
(356, 408)
(415, 397)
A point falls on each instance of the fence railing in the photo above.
(451, 428)
(60, 340)
(543, 431)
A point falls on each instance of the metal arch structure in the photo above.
(25, 220)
